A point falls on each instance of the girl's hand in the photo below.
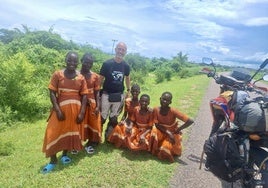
(128, 130)
(60, 115)
(142, 139)
(96, 111)
(178, 131)
(122, 122)
(171, 137)
(79, 118)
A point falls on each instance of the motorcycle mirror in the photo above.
(265, 77)
(207, 60)
(264, 64)
(261, 67)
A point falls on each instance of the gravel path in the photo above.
(188, 174)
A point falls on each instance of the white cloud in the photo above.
(214, 48)
(257, 21)
(258, 56)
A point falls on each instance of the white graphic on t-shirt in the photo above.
(117, 76)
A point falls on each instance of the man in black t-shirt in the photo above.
(113, 73)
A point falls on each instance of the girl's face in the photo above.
(71, 62)
(135, 92)
(144, 102)
(87, 64)
(165, 100)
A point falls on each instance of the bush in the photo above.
(184, 73)
(7, 116)
(162, 74)
(160, 77)
(137, 77)
(24, 90)
(168, 75)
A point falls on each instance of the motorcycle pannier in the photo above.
(251, 118)
(224, 159)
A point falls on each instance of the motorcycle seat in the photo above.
(231, 81)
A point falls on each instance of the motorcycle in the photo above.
(239, 93)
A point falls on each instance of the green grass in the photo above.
(21, 158)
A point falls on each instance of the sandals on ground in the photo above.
(74, 152)
(48, 168)
(65, 159)
(89, 149)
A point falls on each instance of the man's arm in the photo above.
(101, 80)
(128, 83)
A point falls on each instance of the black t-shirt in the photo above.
(114, 75)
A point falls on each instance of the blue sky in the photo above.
(229, 31)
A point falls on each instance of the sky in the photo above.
(231, 32)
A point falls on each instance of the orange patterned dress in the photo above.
(160, 144)
(141, 124)
(91, 128)
(118, 135)
(64, 135)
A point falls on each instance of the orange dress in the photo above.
(91, 126)
(64, 135)
(118, 134)
(130, 106)
(160, 144)
(141, 123)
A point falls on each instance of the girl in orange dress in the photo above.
(131, 102)
(67, 89)
(91, 129)
(166, 135)
(118, 134)
(140, 126)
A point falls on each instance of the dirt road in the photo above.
(188, 174)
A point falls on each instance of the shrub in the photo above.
(7, 116)
(159, 77)
(137, 77)
(184, 73)
(23, 91)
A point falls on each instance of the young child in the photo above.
(166, 135)
(141, 123)
(131, 102)
(117, 136)
(91, 129)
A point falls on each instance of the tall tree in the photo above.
(7, 36)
